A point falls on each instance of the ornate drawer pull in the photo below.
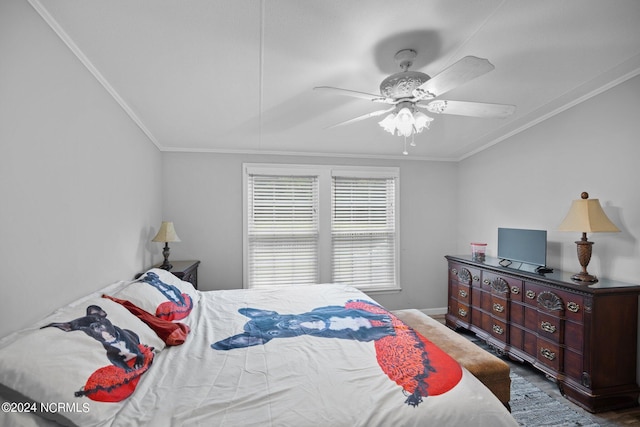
(515, 290)
(462, 312)
(530, 294)
(454, 271)
(486, 281)
(547, 353)
(499, 308)
(573, 307)
(463, 293)
(548, 327)
(476, 278)
(498, 330)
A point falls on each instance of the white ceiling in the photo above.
(236, 76)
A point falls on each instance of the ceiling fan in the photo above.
(409, 91)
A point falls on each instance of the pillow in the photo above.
(87, 357)
(172, 333)
(161, 293)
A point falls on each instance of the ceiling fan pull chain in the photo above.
(405, 152)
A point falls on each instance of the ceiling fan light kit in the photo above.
(407, 90)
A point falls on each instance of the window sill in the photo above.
(379, 291)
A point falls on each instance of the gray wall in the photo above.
(203, 196)
(80, 185)
(529, 181)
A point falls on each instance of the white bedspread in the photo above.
(299, 381)
(295, 381)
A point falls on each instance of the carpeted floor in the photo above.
(531, 406)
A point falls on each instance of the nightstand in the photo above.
(185, 270)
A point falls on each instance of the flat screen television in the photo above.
(520, 245)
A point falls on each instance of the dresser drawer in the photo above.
(463, 312)
(575, 308)
(499, 307)
(550, 327)
(516, 290)
(499, 284)
(543, 298)
(463, 293)
(550, 354)
(531, 291)
(499, 330)
(463, 274)
(574, 305)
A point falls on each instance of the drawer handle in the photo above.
(548, 327)
(476, 278)
(463, 293)
(462, 312)
(499, 308)
(454, 271)
(547, 353)
(486, 281)
(530, 294)
(515, 290)
(498, 329)
(573, 307)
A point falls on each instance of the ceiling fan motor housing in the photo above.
(402, 84)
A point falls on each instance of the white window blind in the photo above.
(307, 224)
(282, 230)
(363, 231)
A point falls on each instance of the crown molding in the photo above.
(67, 40)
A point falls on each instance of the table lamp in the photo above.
(586, 216)
(166, 234)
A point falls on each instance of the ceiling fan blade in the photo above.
(363, 117)
(472, 109)
(355, 94)
(466, 69)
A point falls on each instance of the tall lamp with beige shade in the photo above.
(166, 234)
(586, 216)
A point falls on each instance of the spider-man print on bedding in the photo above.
(179, 304)
(406, 357)
(129, 358)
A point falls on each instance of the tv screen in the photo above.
(528, 246)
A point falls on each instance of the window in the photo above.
(363, 231)
(306, 224)
(282, 229)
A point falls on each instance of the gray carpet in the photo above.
(531, 406)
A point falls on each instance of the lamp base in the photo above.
(584, 256)
(165, 253)
(165, 266)
(584, 277)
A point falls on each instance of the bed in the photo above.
(157, 352)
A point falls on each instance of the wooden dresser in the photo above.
(583, 336)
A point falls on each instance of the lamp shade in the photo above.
(586, 216)
(167, 233)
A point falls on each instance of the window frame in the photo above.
(325, 175)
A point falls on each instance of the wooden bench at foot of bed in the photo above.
(490, 370)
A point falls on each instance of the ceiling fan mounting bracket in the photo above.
(404, 58)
